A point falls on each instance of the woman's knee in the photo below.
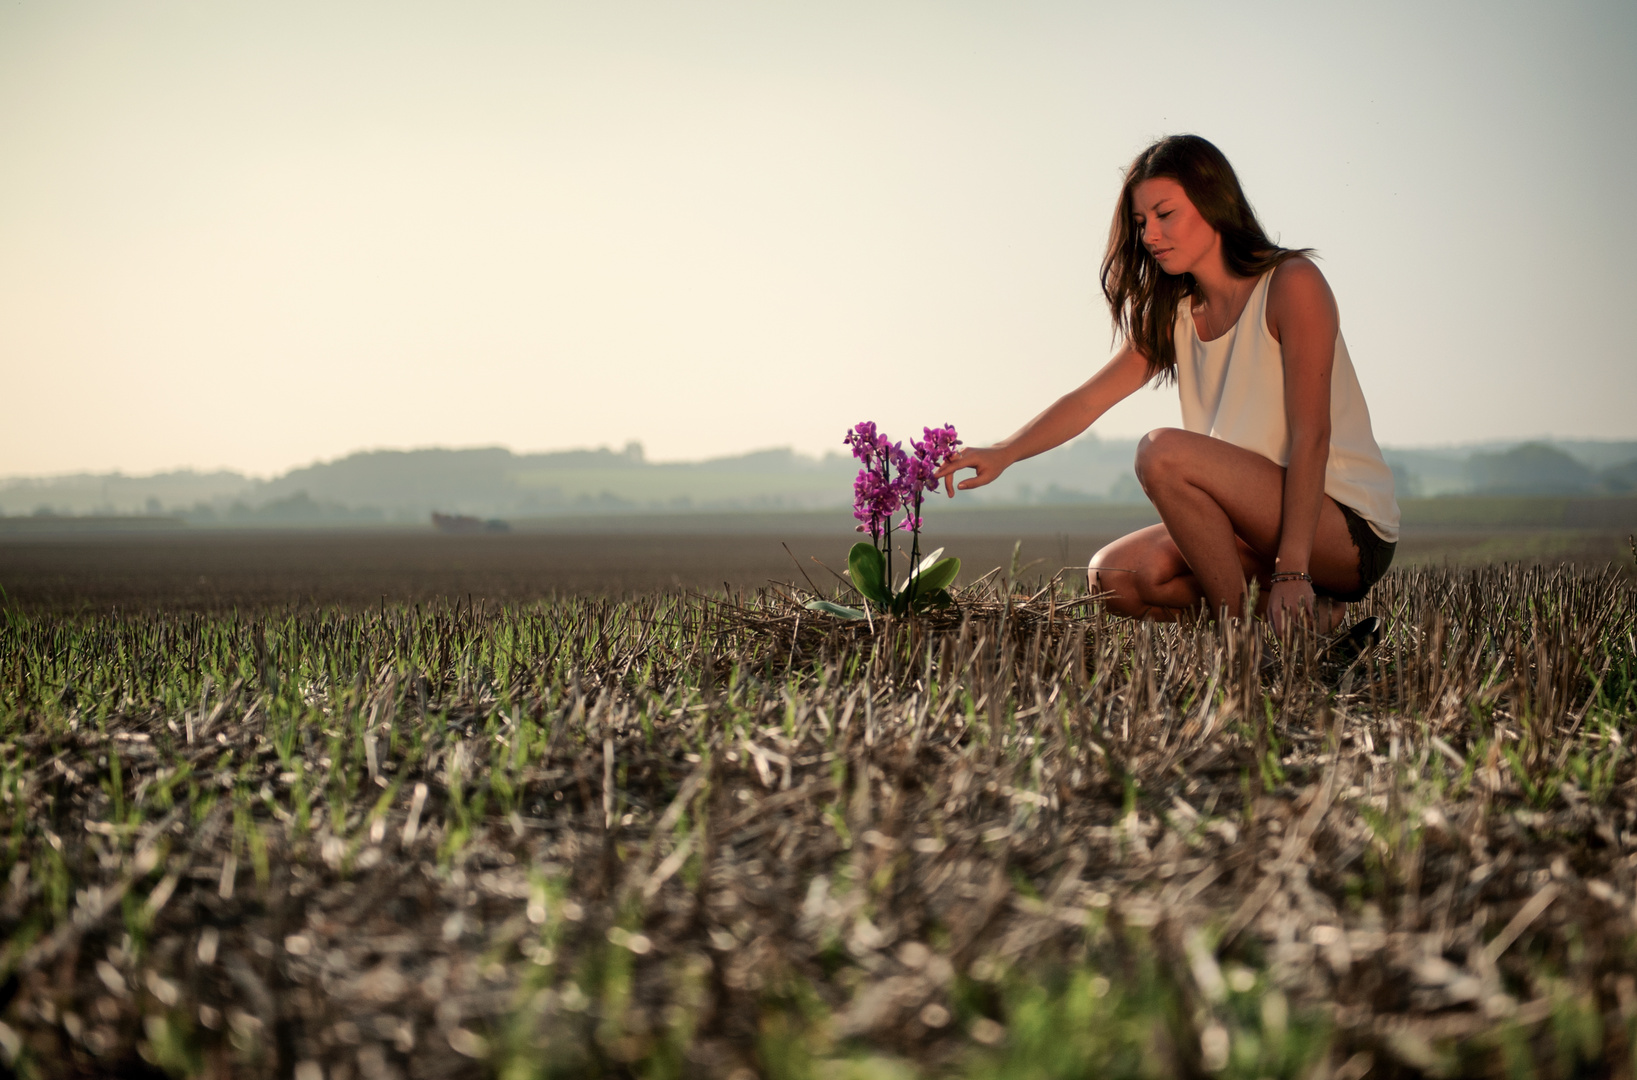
(1160, 453)
(1117, 593)
(1116, 585)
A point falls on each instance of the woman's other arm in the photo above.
(1065, 418)
(1302, 317)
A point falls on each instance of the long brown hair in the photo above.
(1144, 298)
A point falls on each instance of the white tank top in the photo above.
(1233, 389)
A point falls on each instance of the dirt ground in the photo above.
(214, 570)
(218, 570)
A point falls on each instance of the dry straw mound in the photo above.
(688, 836)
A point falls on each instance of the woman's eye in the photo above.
(1165, 214)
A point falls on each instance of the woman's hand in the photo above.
(1065, 418)
(1291, 604)
(987, 461)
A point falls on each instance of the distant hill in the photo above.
(1531, 469)
(116, 493)
(1541, 466)
(406, 486)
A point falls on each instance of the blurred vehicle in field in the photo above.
(465, 523)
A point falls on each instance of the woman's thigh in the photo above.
(1250, 490)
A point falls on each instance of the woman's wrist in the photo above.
(1293, 563)
(1280, 576)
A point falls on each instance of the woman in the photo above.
(1275, 475)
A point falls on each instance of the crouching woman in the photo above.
(1275, 475)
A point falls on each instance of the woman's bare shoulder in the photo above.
(1298, 291)
(1297, 275)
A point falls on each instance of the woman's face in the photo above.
(1173, 231)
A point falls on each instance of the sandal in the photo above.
(1353, 643)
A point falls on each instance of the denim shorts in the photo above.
(1374, 556)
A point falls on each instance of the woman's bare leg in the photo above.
(1221, 508)
(1145, 576)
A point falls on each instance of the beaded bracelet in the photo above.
(1292, 575)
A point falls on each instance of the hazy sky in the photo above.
(253, 235)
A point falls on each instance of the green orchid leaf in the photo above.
(926, 564)
(868, 568)
(840, 611)
(939, 576)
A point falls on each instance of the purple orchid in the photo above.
(892, 480)
(919, 473)
(876, 494)
(874, 502)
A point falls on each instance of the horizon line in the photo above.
(640, 456)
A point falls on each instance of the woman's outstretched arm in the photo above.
(1065, 418)
(1302, 316)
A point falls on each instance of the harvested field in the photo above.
(681, 835)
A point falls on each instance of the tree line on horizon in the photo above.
(387, 486)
